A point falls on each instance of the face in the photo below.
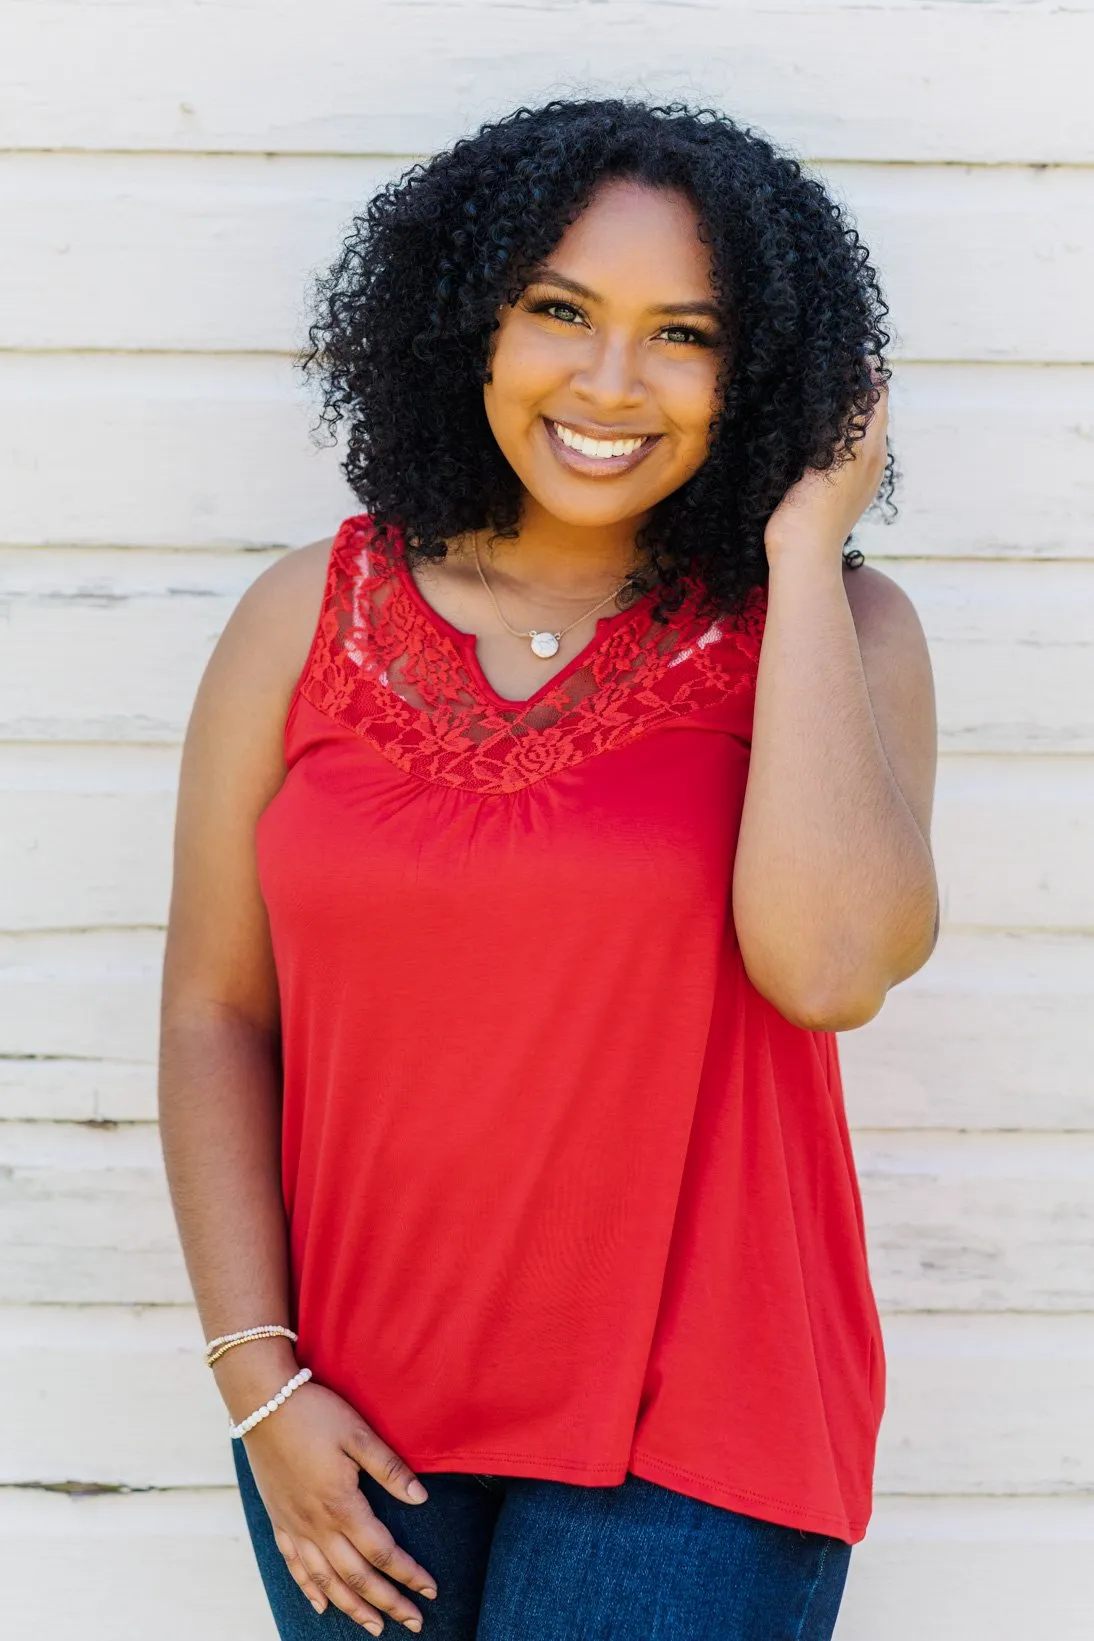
(605, 372)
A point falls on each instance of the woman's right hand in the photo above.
(305, 1460)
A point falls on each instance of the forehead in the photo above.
(636, 237)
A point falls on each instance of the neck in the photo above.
(559, 561)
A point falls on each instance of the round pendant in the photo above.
(544, 644)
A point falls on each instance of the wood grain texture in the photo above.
(105, 1568)
(890, 81)
(995, 1032)
(220, 253)
(65, 1090)
(970, 1570)
(81, 995)
(155, 451)
(979, 1221)
(89, 1213)
(177, 451)
(982, 1405)
(110, 645)
(957, 1221)
(85, 838)
(1014, 842)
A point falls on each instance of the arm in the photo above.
(834, 893)
(220, 1107)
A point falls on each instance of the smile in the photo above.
(597, 456)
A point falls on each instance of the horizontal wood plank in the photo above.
(162, 451)
(977, 1222)
(110, 645)
(889, 81)
(1012, 645)
(994, 1033)
(987, 1405)
(220, 253)
(99, 1568)
(67, 1090)
(966, 1570)
(84, 995)
(85, 838)
(974, 1404)
(89, 1212)
(1014, 842)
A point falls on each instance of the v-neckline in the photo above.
(467, 642)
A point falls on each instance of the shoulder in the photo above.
(897, 665)
(890, 633)
(272, 626)
(258, 658)
(882, 611)
(290, 591)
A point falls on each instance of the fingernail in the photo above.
(430, 1594)
(414, 1624)
(318, 1605)
(375, 1629)
(417, 1492)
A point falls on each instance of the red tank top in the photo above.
(567, 1197)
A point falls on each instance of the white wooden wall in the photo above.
(170, 172)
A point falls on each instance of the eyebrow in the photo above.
(547, 276)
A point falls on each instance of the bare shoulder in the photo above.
(890, 634)
(283, 602)
(897, 664)
(271, 628)
(884, 615)
(248, 683)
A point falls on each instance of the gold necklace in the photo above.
(544, 643)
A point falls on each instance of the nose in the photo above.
(610, 377)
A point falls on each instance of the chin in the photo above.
(590, 512)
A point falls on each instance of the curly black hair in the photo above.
(406, 317)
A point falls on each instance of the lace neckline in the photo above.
(390, 668)
(467, 642)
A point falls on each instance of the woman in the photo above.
(518, 894)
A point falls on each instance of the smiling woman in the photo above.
(536, 833)
(617, 383)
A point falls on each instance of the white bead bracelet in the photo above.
(263, 1412)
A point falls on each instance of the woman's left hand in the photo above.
(819, 512)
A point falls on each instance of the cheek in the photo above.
(689, 398)
(525, 364)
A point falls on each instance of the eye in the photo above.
(557, 309)
(688, 336)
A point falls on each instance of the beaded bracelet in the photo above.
(271, 1406)
(216, 1348)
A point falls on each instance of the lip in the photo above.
(597, 467)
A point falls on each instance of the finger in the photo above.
(385, 1466)
(364, 1580)
(300, 1573)
(336, 1591)
(369, 1538)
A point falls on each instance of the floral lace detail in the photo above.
(382, 668)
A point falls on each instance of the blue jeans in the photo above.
(519, 1559)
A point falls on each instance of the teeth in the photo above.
(599, 449)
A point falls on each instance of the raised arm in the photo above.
(834, 893)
